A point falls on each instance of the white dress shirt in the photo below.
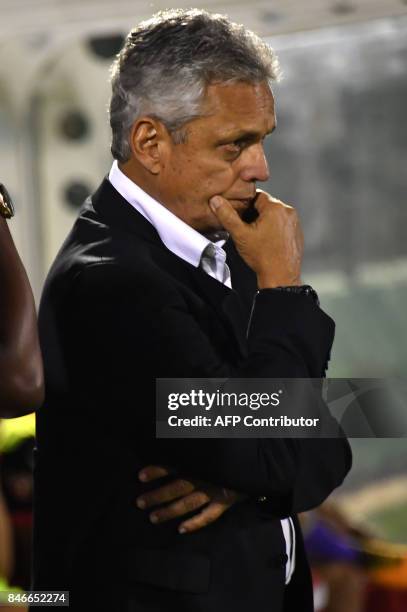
(193, 247)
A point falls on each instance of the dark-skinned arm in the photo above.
(21, 374)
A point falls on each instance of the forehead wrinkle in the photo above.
(240, 132)
(243, 114)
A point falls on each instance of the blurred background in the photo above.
(339, 155)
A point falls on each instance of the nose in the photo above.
(254, 164)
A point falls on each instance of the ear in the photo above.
(149, 142)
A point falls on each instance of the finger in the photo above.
(227, 215)
(189, 503)
(151, 472)
(204, 518)
(166, 493)
(264, 202)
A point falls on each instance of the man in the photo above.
(143, 289)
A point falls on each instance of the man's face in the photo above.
(223, 154)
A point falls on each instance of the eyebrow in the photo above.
(243, 135)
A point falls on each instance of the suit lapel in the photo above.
(243, 278)
(227, 305)
(225, 302)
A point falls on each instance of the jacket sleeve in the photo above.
(288, 336)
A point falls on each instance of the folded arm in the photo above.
(288, 337)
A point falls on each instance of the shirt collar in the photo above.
(177, 236)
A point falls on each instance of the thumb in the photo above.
(226, 214)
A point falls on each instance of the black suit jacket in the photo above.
(118, 310)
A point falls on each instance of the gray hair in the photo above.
(167, 63)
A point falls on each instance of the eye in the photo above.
(234, 148)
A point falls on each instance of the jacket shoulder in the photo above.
(101, 258)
